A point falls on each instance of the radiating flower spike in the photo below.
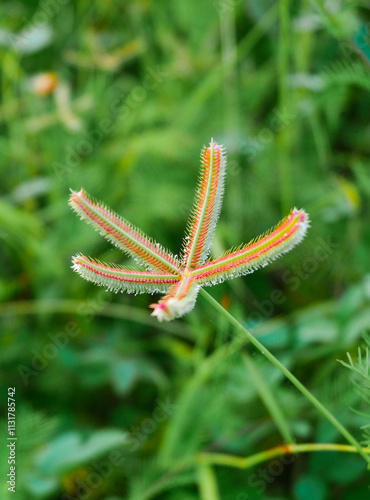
(257, 253)
(124, 279)
(207, 205)
(122, 233)
(164, 273)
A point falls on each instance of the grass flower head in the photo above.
(180, 278)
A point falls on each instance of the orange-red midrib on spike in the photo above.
(215, 172)
(269, 236)
(134, 279)
(119, 237)
(225, 266)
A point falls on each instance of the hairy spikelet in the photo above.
(256, 254)
(207, 205)
(123, 234)
(164, 273)
(124, 279)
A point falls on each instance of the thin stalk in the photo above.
(226, 460)
(315, 402)
(269, 400)
(203, 373)
(178, 421)
(251, 460)
(207, 482)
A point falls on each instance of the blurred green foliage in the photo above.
(108, 401)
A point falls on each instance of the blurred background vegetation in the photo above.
(119, 97)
